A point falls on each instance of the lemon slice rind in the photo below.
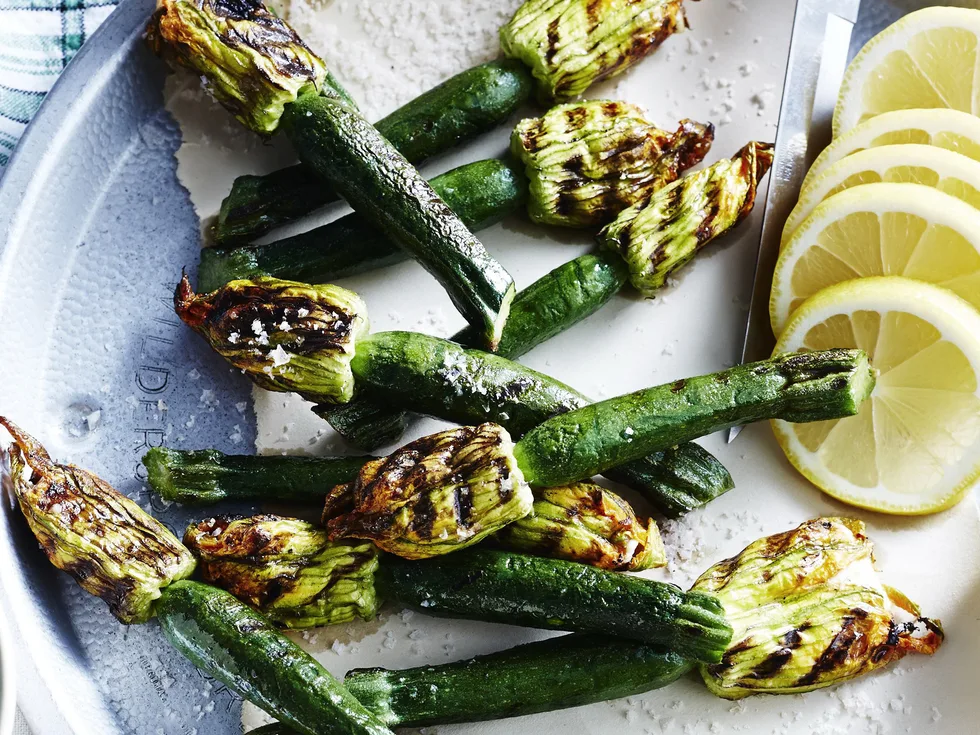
(885, 129)
(931, 205)
(896, 37)
(956, 321)
(879, 160)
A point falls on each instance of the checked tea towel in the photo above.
(37, 39)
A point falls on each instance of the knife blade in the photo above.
(818, 55)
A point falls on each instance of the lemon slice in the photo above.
(944, 170)
(929, 58)
(949, 129)
(915, 445)
(879, 230)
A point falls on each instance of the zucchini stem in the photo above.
(207, 476)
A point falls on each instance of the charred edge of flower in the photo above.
(383, 480)
(755, 159)
(758, 156)
(641, 44)
(238, 545)
(66, 492)
(233, 309)
(754, 164)
(192, 309)
(691, 142)
(674, 154)
(268, 34)
(34, 453)
(246, 540)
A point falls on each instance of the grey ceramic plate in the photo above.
(8, 691)
(94, 227)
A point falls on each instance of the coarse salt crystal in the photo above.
(279, 356)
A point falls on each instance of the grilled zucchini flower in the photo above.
(808, 612)
(438, 494)
(113, 548)
(252, 62)
(287, 569)
(586, 162)
(589, 524)
(657, 237)
(286, 335)
(569, 44)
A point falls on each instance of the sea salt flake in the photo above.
(279, 356)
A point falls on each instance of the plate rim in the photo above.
(47, 706)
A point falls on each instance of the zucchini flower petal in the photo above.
(252, 62)
(285, 335)
(588, 524)
(586, 162)
(808, 612)
(657, 237)
(113, 548)
(288, 569)
(569, 44)
(438, 494)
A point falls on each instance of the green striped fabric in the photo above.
(37, 39)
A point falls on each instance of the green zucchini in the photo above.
(798, 387)
(240, 647)
(510, 588)
(461, 108)
(347, 151)
(481, 193)
(676, 480)
(469, 386)
(439, 378)
(561, 298)
(567, 671)
(556, 301)
(207, 476)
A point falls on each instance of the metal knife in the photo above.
(818, 55)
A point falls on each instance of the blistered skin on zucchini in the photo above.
(287, 569)
(285, 335)
(113, 548)
(436, 495)
(589, 524)
(809, 612)
(571, 44)
(252, 61)
(798, 387)
(658, 236)
(586, 162)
